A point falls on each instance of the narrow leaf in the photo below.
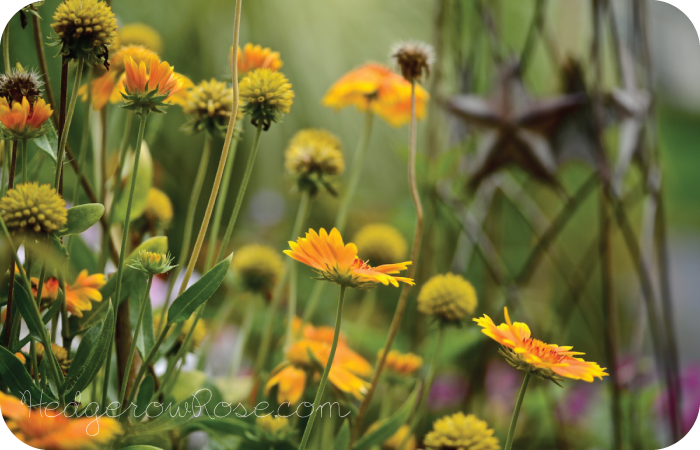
(144, 396)
(17, 378)
(82, 217)
(342, 441)
(389, 426)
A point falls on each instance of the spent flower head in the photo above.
(414, 59)
(59, 352)
(153, 263)
(85, 28)
(257, 268)
(266, 96)
(33, 208)
(18, 84)
(314, 156)
(463, 432)
(449, 298)
(209, 105)
(23, 120)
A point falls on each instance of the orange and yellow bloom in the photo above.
(257, 57)
(339, 263)
(373, 87)
(23, 120)
(548, 361)
(402, 364)
(85, 290)
(152, 83)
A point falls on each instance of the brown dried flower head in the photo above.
(414, 59)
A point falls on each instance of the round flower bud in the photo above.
(159, 208)
(257, 267)
(209, 105)
(31, 207)
(139, 34)
(267, 96)
(414, 59)
(85, 28)
(313, 155)
(461, 432)
(59, 352)
(450, 298)
(18, 84)
(153, 263)
(380, 243)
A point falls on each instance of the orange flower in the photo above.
(160, 76)
(50, 430)
(23, 119)
(402, 363)
(548, 361)
(257, 57)
(85, 289)
(291, 376)
(375, 88)
(339, 263)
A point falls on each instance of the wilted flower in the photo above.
(339, 263)
(449, 298)
(209, 105)
(414, 59)
(380, 243)
(149, 90)
(266, 96)
(256, 57)
(22, 120)
(159, 208)
(139, 34)
(18, 84)
(461, 432)
(30, 207)
(257, 267)
(85, 28)
(547, 361)
(153, 263)
(314, 155)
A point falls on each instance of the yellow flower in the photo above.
(448, 297)
(51, 430)
(404, 364)
(150, 88)
(209, 105)
(257, 267)
(85, 28)
(140, 34)
(548, 361)
(83, 291)
(59, 352)
(414, 59)
(460, 432)
(22, 120)
(375, 88)
(394, 442)
(381, 243)
(159, 208)
(31, 207)
(273, 429)
(339, 263)
(256, 57)
(312, 155)
(18, 84)
(266, 96)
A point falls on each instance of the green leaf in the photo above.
(48, 142)
(48, 315)
(136, 296)
(29, 312)
(388, 426)
(141, 447)
(224, 425)
(342, 440)
(183, 306)
(144, 180)
(171, 418)
(17, 378)
(80, 376)
(82, 217)
(144, 396)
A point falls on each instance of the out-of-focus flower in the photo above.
(401, 364)
(139, 34)
(153, 263)
(394, 442)
(380, 243)
(256, 57)
(59, 352)
(33, 208)
(373, 87)
(18, 84)
(463, 432)
(266, 96)
(448, 391)
(449, 298)
(85, 28)
(198, 335)
(83, 291)
(21, 357)
(414, 59)
(339, 263)
(313, 156)
(304, 357)
(159, 208)
(51, 430)
(257, 267)
(548, 361)
(272, 429)
(209, 105)
(150, 89)
(690, 388)
(23, 120)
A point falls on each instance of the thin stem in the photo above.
(246, 328)
(324, 377)
(415, 252)
(13, 165)
(241, 191)
(41, 56)
(25, 160)
(516, 412)
(134, 342)
(302, 213)
(123, 147)
(6, 48)
(66, 128)
(147, 361)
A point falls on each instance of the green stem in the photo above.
(6, 48)
(147, 361)
(132, 350)
(221, 201)
(69, 116)
(246, 327)
(302, 213)
(516, 412)
(241, 191)
(25, 160)
(324, 377)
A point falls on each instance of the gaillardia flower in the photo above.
(83, 291)
(147, 90)
(414, 59)
(18, 84)
(51, 430)
(256, 57)
(257, 268)
(337, 262)
(85, 28)
(380, 243)
(152, 263)
(461, 432)
(449, 298)
(22, 120)
(266, 96)
(395, 440)
(139, 34)
(209, 105)
(547, 361)
(314, 155)
(59, 352)
(402, 364)
(375, 88)
(33, 208)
